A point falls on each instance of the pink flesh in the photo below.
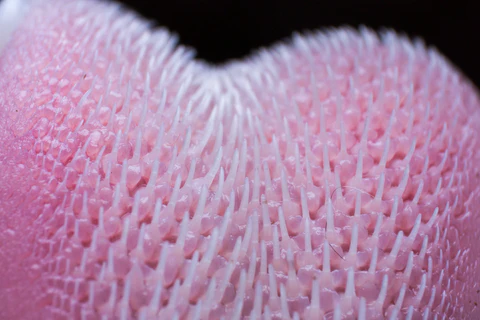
(337, 176)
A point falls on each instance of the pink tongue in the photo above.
(336, 176)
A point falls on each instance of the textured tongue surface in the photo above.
(336, 176)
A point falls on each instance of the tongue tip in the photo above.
(11, 14)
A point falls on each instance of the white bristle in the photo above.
(272, 282)
(362, 309)
(397, 245)
(326, 256)
(350, 288)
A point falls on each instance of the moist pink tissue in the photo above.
(333, 176)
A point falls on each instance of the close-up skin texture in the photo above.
(335, 175)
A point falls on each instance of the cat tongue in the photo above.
(333, 176)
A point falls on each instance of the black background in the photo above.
(221, 30)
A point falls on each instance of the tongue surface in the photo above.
(335, 176)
